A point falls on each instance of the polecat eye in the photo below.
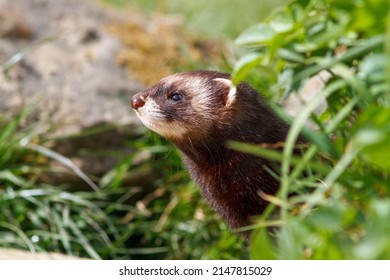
(176, 97)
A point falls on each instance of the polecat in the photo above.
(200, 112)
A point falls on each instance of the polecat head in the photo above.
(185, 105)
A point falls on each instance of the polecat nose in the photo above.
(137, 102)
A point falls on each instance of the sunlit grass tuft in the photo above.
(112, 221)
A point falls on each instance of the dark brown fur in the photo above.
(230, 181)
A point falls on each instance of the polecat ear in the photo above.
(229, 89)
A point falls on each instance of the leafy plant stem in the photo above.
(353, 53)
(293, 135)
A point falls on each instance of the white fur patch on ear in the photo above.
(231, 97)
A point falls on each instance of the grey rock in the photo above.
(68, 67)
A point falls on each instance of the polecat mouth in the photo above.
(148, 121)
(156, 121)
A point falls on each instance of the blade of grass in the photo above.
(349, 155)
(9, 176)
(78, 199)
(6, 66)
(83, 240)
(347, 75)
(330, 127)
(64, 160)
(272, 155)
(63, 233)
(387, 50)
(351, 54)
(293, 134)
(20, 233)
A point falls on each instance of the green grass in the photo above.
(115, 221)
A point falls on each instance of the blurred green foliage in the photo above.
(216, 18)
(343, 211)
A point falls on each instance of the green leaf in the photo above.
(372, 132)
(373, 67)
(327, 218)
(258, 34)
(244, 65)
(262, 245)
(281, 21)
(290, 56)
(9, 176)
(349, 76)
